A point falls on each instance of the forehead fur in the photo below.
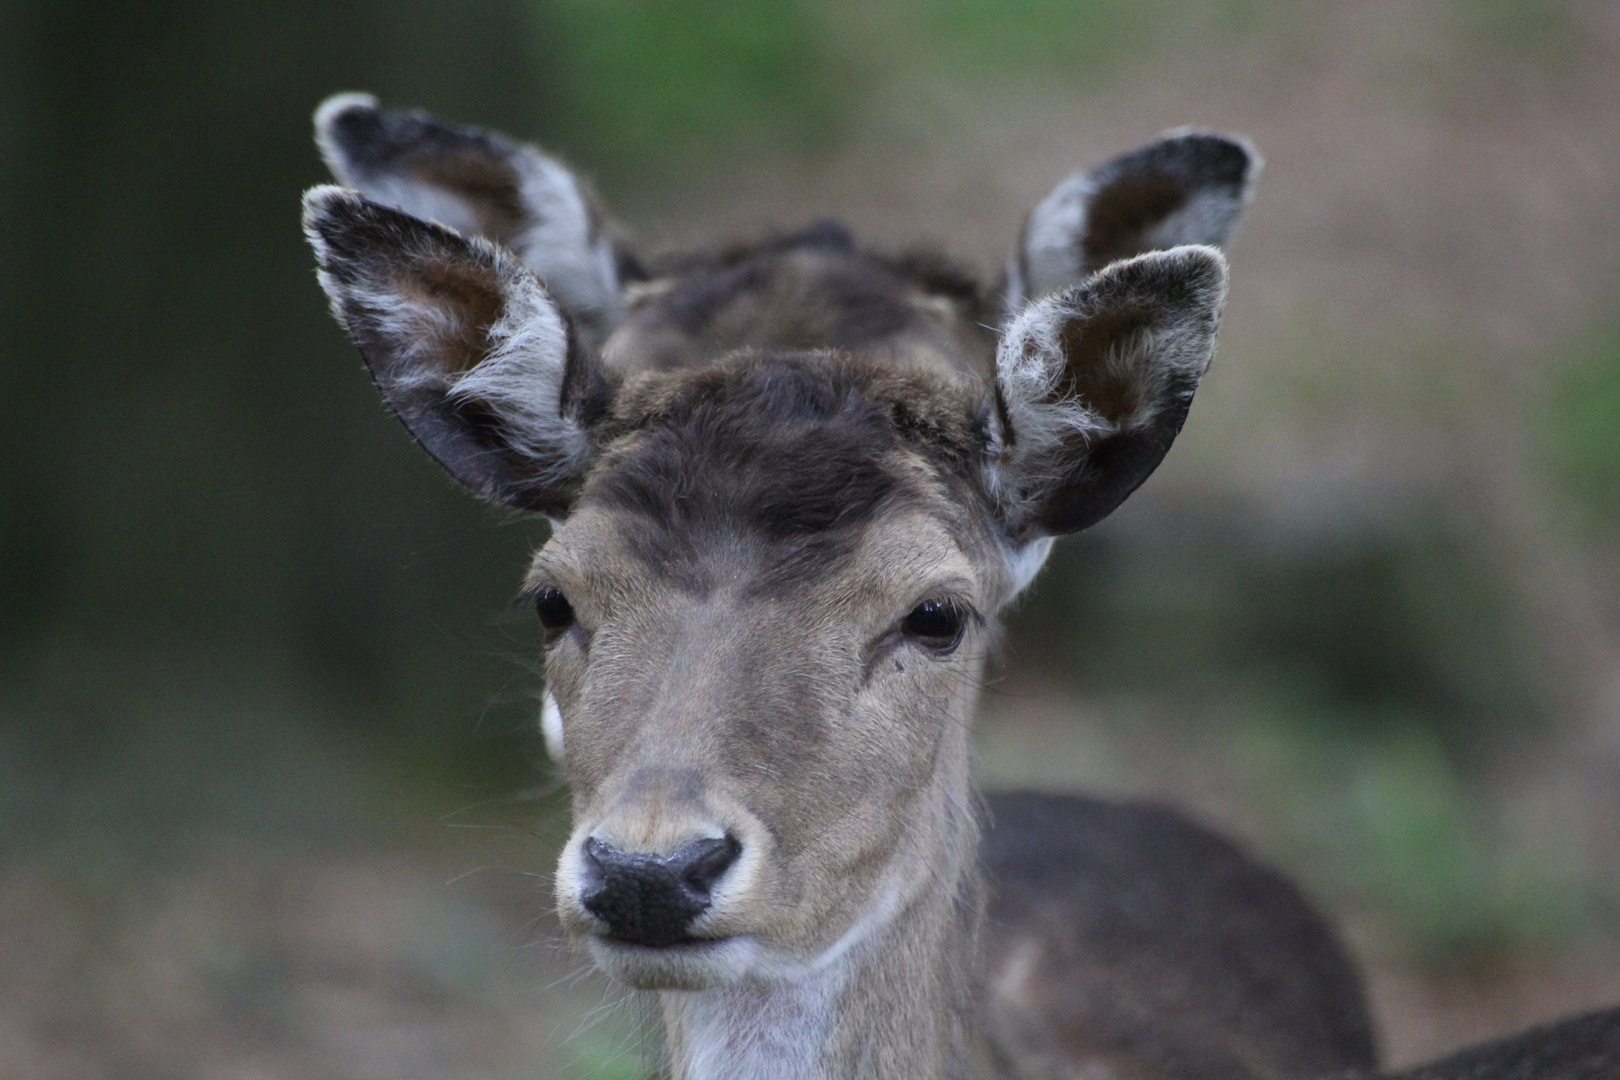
(796, 451)
(812, 289)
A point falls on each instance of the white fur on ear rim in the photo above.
(1187, 187)
(392, 158)
(521, 380)
(1095, 381)
(551, 727)
(383, 273)
(1031, 370)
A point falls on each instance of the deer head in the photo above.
(791, 485)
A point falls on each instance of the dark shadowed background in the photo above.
(272, 803)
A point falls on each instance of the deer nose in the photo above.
(649, 899)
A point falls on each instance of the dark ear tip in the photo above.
(1203, 262)
(342, 219)
(328, 202)
(1219, 156)
(1198, 268)
(348, 129)
(340, 109)
(342, 224)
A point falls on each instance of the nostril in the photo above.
(599, 854)
(705, 862)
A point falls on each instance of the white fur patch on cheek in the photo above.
(1025, 562)
(551, 726)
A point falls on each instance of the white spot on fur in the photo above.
(1016, 970)
(1023, 563)
(551, 727)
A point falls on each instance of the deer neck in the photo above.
(894, 998)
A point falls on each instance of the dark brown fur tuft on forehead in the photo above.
(814, 289)
(800, 451)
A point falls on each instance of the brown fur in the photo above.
(1580, 1048)
(810, 290)
(1123, 936)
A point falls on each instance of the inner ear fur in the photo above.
(466, 346)
(1094, 383)
(1188, 187)
(480, 183)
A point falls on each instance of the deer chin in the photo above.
(701, 964)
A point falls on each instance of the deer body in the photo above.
(791, 484)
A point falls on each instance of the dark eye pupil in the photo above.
(555, 612)
(937, 623)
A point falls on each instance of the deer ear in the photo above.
(466, 346)
(1093, 384)
(481, 184)
(1190, 187)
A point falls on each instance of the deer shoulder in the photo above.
(1123, 939)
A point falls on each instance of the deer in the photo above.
(790, 484)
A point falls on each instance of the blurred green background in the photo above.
(1364, 618)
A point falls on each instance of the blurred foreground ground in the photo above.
(270, 795)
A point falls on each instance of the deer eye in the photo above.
(937, 624)
(556, 613)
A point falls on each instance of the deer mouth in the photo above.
(692, 963)
(688, 943)
(685, 941)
